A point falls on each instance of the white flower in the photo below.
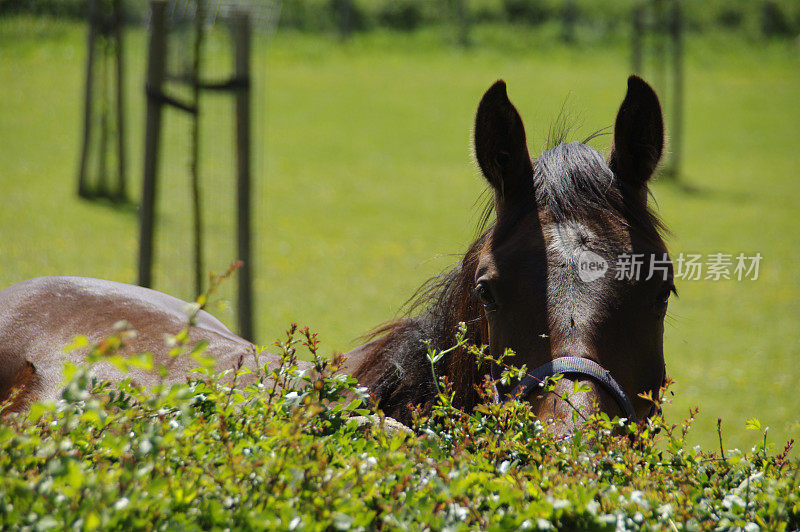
(503, 468)
(145, 446)
(593, 507)
(638, 497)
(459, 511)
(121, 503)
(559, 504)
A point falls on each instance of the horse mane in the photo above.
(571, 181)
(396, 369)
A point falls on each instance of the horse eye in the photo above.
(663, 295)
(485, 294)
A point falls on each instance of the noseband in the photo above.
(577, 366)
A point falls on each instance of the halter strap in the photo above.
(577, 366)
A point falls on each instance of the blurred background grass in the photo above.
(368, 185)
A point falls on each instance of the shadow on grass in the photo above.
(683, 186)
(121, 204)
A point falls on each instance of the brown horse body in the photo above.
(40, 316)
(517, 287)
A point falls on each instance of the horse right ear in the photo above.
(638, 134)
(500, 146)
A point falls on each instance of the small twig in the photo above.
(239, 364)
(747, 498)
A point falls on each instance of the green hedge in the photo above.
(204, 455)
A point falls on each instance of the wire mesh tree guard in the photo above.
(103, 157)
(166, 78)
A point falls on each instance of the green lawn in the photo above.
(370, 186)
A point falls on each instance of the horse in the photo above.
(520, 286)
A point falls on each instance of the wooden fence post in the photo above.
(241, 40)
(119, 22)
(155, 77)
(83, 189)
(677, 88)
(637, 32)
(197, 213)
(344, 14)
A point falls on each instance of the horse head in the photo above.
(574, 274)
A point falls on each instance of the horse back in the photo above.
(39, 317)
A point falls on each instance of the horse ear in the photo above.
(500, 146)
(638, 134)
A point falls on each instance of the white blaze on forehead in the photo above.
(591, 266)
(569, 248)
(569, 239)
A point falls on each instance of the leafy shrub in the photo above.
(774, 20)
(486, 10)
(730, 18)
(400, 14)
(309, 15)
(577, 19)
(283, 454)
(528, 11)
(58, 8)
(349, 15)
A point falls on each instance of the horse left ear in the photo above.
(638, 134)
(500, 147)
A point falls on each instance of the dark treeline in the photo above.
(770, 18)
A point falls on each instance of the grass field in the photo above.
(369, 176)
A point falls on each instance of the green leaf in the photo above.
(141, 360)
(579, 386)
(753, 424)
(78, 342)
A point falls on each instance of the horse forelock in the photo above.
(573, 183)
